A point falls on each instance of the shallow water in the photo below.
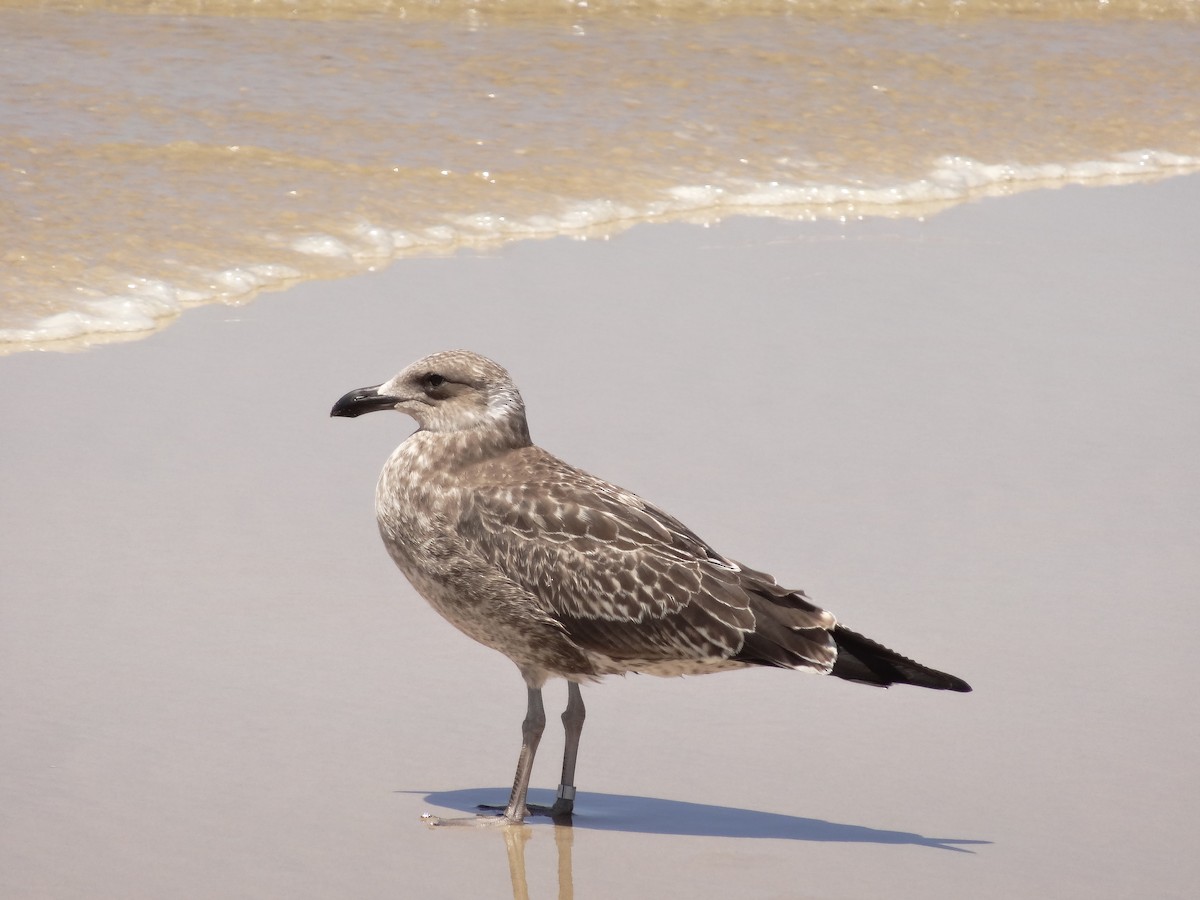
(204, 151)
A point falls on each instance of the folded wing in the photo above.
(633, 583)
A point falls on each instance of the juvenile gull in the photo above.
(570, 576)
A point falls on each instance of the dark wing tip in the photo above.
(864, 660)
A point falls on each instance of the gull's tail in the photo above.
(861, 659)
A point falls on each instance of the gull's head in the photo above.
(456, 390)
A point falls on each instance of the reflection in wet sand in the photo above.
(651, 816)
(515, 839)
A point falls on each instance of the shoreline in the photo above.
(140, 316)
(318, 149)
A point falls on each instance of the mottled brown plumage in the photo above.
(570, 576)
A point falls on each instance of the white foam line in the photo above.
(145, 305)
(149, 302)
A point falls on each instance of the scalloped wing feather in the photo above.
(633, 583)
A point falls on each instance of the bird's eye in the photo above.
(433, 380)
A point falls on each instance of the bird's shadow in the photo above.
(650, 815)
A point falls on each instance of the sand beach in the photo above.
(900, 306)
(970, 436)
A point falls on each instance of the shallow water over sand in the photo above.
(156, 161)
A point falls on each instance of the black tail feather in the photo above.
(861, 659)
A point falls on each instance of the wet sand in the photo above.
(972, 438)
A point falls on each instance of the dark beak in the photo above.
(364, 400)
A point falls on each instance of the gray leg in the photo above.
(531, 736)
(531, 733)
(572, 719)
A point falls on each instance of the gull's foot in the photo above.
(560, 812)
(471, 821)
